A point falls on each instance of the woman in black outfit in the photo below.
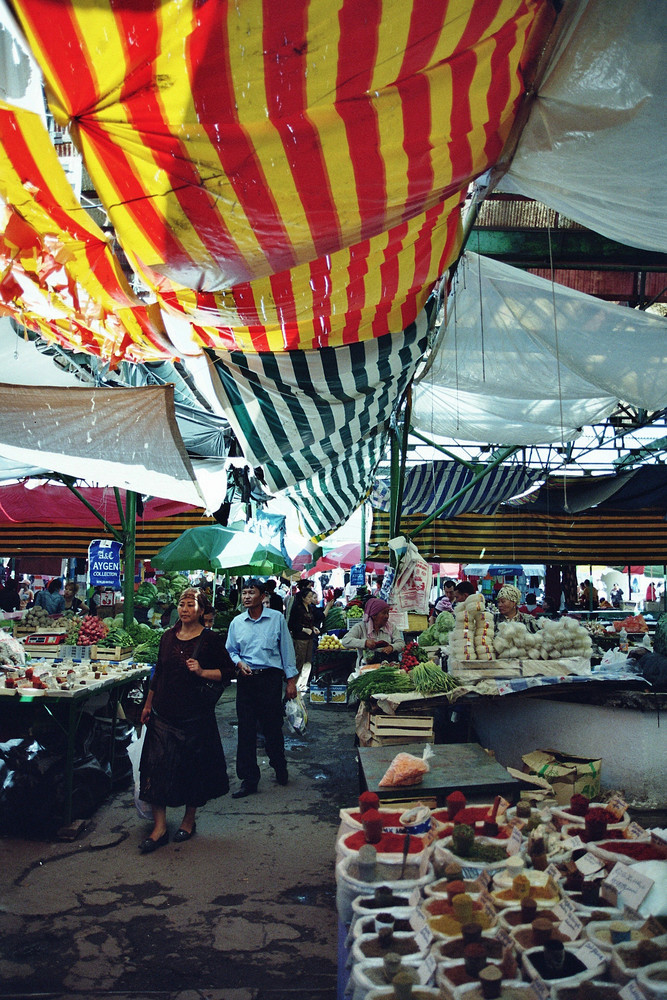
(304, 625)
(182, 761)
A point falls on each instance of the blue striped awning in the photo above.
(428, 486)
(316, 421)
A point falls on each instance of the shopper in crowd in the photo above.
(373, 637)
(275, 601)
(616, 596)
(303, 625)
(530, 606)
(301, 587)
(262, 650)
(10, 599)
(26, 595)
(463, 590)
(589, 596)
(182, 761)
(51, 599)
(447, 597)
(72, 602)
(508, 601)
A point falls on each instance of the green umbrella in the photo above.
(212, 547)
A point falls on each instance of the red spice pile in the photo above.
(389, 843)
(635, 849)
(579, 831)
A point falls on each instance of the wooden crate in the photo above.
(401, 728)
(100, 652)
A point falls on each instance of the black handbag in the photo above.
(209, 692)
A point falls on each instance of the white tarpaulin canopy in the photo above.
(595, 145)
(127, 438)
(526, 362)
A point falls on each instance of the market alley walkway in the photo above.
(244, 911)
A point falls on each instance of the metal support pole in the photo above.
(129, 549)
(362, 544)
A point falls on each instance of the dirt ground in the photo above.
(244, 911)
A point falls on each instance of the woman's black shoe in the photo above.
(182, 835)
(149, 845)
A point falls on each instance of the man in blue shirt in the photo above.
(261, 647)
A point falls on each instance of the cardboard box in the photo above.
(319, 695)
(566, 773)
(338, 694)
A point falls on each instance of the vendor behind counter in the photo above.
(374, 638)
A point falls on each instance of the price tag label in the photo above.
(517, 822)
(565, 908)
(634, 831)
(631, 886)
(426, 970)
(540, 989)
(591, 955)
(424, 937)
(616, 806)
(487, 904)
(424, 864)
(484, 879)
(504, 938)
(553, 872)
(414, 899)
(588, 864)
(631, 991)
(571, 926)
(573, 843)
(503, 806)
(514, 843)
(417, 921)
(651, 927)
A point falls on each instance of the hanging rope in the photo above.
(560, 390)
(481, 307)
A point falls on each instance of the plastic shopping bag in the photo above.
(296, 714)
(145, 809)
(407, 769)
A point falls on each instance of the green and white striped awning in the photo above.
(316, 421)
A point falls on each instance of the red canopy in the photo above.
(51, 504)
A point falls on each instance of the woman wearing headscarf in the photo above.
(508, 600)
(373, 637)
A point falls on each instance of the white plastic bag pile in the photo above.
(472, 635)
(555, 640)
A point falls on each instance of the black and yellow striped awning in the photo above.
(71, 541)
(613, 538)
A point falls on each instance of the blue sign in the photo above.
(358, 575)
(104, 563)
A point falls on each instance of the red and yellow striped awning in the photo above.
(283, 175)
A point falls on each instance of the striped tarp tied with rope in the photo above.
(285, 175)
(428, 486)
(319, 418)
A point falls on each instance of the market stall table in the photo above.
(66, 709)
(454, 766)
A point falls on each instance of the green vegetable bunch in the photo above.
(335, 619)
(428, 678)
(436, 634)
(146, 594)
(146, 652)
(384, 680)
